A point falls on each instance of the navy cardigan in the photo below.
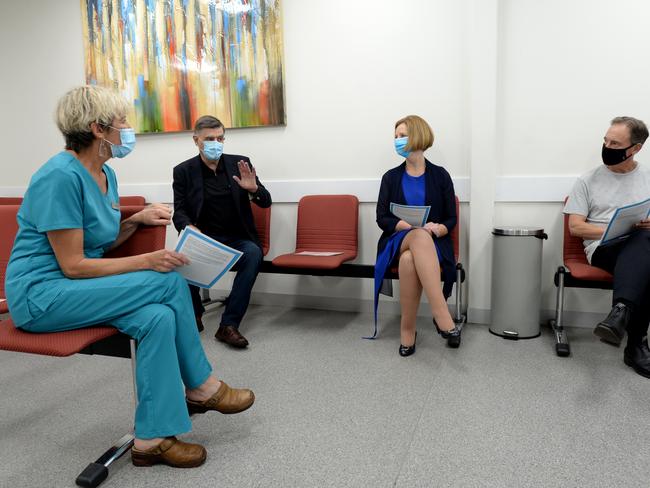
(439, 194)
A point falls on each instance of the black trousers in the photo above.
(629, 262)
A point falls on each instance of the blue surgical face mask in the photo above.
(400, 146)
(126, 145)
(212, 150)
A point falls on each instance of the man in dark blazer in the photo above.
(213, 193)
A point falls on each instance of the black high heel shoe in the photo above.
(408, 350)
(452, 336)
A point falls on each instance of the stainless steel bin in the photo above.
(516, 281)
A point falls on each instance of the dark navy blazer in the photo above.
(439, 194)
(188, 193)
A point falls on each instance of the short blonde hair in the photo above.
(420, 133)
(84, 105)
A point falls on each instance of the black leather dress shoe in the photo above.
(638, 358)
(408, 350)
(612, 329)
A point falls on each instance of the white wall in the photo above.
(519, 93)
(566, 69)
(351, 69)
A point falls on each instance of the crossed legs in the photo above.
(419, 270)
(156, 310)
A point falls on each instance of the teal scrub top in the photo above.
(61, 195)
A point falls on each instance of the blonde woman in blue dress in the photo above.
(424, 254)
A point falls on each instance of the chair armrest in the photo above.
(146, 238)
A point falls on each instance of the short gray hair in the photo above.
(637, 128)
(207, 122)
(84, 105)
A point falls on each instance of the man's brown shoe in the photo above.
(225, 400)
(230, 335)
(172, 452)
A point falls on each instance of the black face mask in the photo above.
(614, 156)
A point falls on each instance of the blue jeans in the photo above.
(247, 269)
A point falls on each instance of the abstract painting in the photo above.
(176, 60)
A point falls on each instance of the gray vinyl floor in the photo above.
(335, 410)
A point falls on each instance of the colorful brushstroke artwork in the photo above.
(176, 60)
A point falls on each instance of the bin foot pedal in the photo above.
(510, 335)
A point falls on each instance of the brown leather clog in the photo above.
(172, 452)
(225, 400)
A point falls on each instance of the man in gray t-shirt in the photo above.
(594, 198)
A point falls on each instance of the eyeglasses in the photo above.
(219, 139)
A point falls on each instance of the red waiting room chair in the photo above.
(8, 229)
(11, 200)
(128, 200)
(575, 272)
(326, 223)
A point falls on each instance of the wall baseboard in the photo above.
(571, 318)
(391, 307)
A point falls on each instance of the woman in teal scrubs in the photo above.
(57, 278)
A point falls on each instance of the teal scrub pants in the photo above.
(156, 310)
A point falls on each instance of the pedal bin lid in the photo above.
(518, 231)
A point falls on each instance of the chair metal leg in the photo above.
(206, 300)
(459, 317)
(134, 345)
(562, 347)
(205, 295)
(95, 473)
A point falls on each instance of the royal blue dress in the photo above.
(433, 188)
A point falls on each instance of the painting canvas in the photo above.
(176, 60)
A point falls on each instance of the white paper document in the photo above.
(318, 253)
(624, 220)
(413, 214)
(209, 259)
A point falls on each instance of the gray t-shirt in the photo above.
(599, 192)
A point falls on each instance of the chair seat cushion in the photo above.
(584, 271)
(294, 260)
(50, 343)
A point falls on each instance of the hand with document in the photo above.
(625, 220)
(209, 259)
(414, 215)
